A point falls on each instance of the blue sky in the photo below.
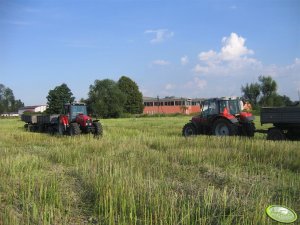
(187, 48)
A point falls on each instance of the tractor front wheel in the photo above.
(98, 129)
(222, 127)
(189, 130)
(249, 129)
(74, 129)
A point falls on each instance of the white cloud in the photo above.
(196, 83)
(208, 56)
(234, 47)
(232, 57)
(160, 35)
(169, 87)
(160, 62)
(184, 60)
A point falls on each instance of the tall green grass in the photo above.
(142, 171)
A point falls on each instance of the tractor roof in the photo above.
(224, 98)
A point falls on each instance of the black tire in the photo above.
(223, 127)
(60, 129)
(98, 129)
(293, 135)
(189, 130)
(275, 134)
(74, 129)
(249, 129)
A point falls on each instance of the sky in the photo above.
(182, 48)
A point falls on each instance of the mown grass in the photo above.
(142, 171)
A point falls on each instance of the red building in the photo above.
(171, 105)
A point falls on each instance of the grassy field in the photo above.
(143, 172)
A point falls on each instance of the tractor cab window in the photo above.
(232, 106)
(77, 109)
(209, 108)
(204, 111)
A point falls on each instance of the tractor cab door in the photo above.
(208, 109)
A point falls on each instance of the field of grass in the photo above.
(142, 171)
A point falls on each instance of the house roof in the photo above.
(31, 107)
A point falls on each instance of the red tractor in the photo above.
(221, 117)
(75, 121)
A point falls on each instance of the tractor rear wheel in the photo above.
(74, 129)
(275, 134)
(189, 130)
(98, 129)
(223, 127)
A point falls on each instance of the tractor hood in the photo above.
(83, 117)
(246, 117)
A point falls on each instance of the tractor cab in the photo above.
(215, 106)
(75, 109)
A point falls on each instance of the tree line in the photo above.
(106, 98)
(111, 99)
(8, 103)
(264, 93)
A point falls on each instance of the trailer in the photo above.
(285, 121)
(41, 123)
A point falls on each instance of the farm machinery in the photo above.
(73, 121)
(285, 121)
(221, 117)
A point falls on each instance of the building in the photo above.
(171, 105)
(36, 108)
(11, 114)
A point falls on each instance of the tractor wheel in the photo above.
(189, 130)
(60, 129)
(74, 129)
(275, 134)
(222, 127)
(249, 129)
(98, 129)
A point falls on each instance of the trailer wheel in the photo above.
(74, 129)
(189, 130)
(275, 134)
(222, 127)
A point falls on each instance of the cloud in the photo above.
(169, 87)
(160, 62)
(234, 47)
(160, 35)
(184, 60)
(233, 57)
(196, 83)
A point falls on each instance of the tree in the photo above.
(134, 98)
(8, 103)
(106, 99)
(57, 97)
(268, 88)
(251, 92)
